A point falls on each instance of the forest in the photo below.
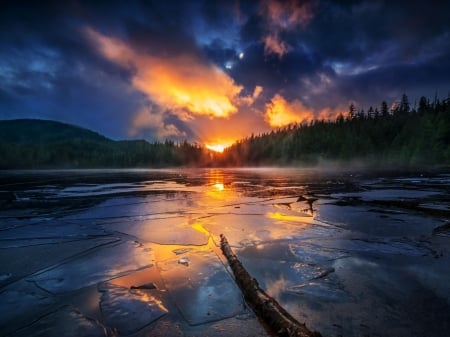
(41, 144)
(382, 136)
(401, 136)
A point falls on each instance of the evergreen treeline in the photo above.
(28, 143)
(398, 136)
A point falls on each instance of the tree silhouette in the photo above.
(384, 109)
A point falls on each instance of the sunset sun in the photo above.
(217, 147)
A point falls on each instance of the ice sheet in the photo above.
(96, 266)
(202, 290)
(64, 322)
(127, 310)
(347, 263)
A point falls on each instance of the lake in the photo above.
(137, 252)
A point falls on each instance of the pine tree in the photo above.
(404, 104)
(384, 109)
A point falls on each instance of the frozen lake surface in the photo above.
(136, 252)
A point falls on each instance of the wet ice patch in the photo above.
(322, 291)
(251, 229)
(443, 230)
(377, 222)
(388, 194)
(309, 252)
(320, 251)
(96, 266)
(166, 231)
(203, 291)
(5, 276)
(283, 279)
(158, 205)
(65, 322)
(17, 305)
(129, 310)
(81, 190)
(180, 251)
(403, 247)
(49, 232)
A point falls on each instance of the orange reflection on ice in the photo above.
(216, 192)
(201, 229)
(216, 189)
(140, 277)
(284, 217)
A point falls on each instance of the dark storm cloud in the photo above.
(312, 54)
(361, 29)
(273, 73)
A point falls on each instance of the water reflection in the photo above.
(285, 217)
(345, 265)
(219, 186)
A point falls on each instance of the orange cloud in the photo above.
(288, 14)
(185, 84)
(331, 114)
(283, 16)
(249, 100)
(280, 112)
(273, 44)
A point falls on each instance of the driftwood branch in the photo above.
(267, 308)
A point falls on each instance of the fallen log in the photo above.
(267, 308)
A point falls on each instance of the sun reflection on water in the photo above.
(219, 186)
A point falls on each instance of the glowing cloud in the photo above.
(249, 100)
(185, 84)
(283, 16)
(280, 112)
(331, 114)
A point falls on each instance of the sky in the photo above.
(216, 71)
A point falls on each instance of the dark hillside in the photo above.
(36, 144)
(44, 131)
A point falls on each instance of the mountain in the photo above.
(44, 131)
(40, 144)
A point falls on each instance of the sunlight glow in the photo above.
(219, 186)
(280, 112)
(216, 147)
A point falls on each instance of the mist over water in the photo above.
(119, 252)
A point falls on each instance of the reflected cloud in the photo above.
(277, 287)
